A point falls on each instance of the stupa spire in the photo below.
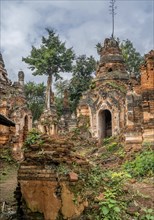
(112, 9)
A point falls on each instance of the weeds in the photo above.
(149, 214)
(34, 137)
(117, 86)
(62, 169)
(111, 208)
(6, 155)
(94, 178)
(142, 165)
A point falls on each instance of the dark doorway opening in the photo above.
(105, 124)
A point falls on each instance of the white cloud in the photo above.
(82, 24)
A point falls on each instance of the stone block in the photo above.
(73, 177)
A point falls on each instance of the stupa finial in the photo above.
(112, 9)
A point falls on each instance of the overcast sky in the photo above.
(82, 24)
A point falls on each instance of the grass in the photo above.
(6, 170)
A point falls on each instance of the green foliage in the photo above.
(142, 165)
(121, 153)
(112, 147)
(110, 183)
(111, 143)
(6, 155)
(60, 86)
(63, 169)
(82, 76)
(59, 105)
(108, 140)
(132, 58)
(93, 85)
(116, 86)
(35, 95)
(99, 47)
(94, 178)
(149, 214)
(51, 57)
(110, 207)
(147, 144)
(33, 137)
(76, 131)
(118, 177)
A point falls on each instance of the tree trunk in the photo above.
(48, 91)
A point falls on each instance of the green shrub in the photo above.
(108, 140)
(112, 147)
(149, 214)
(118, 177)
(142, 165)
(33, 137)
(94, 177)
(110, 207)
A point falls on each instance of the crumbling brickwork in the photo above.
(13, 105)
(45, 181)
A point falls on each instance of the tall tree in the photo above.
(81, 79)
(51, 58)
(132, 58)
(60, 87)
(35, 94)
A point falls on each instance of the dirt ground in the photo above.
(8, 183)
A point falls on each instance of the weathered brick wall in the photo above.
(147, 89)
(147, 72)
(13, 105)
(45, 181)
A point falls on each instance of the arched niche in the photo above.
(104, 123)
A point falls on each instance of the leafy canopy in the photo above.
(60, 87)
(52, 57)
(132, 58)
(35, 95)
(81, 79)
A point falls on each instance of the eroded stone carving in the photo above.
(129, 100)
